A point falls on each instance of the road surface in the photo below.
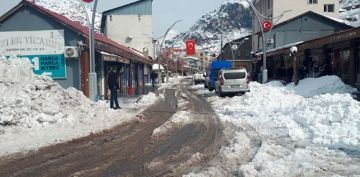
(130, 149)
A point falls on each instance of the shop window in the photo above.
(329, 7)
(312, 1)
(344, 56)
(358, 61)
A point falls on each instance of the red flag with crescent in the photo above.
(190, 47)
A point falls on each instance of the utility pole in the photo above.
(92, 73)
(221, 39)
(257, 14)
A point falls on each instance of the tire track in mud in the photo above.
(129, 149)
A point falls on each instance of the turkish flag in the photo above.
(190, 47)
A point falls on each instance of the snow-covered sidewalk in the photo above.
(35, 111)
(312, 129)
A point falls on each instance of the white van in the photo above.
(232, 81)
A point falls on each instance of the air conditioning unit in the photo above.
(270, 41)
(71, 52)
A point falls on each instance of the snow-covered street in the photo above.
(312, 129)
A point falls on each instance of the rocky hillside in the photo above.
(350, 11)
(232, 19)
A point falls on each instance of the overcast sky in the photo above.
(165, 12)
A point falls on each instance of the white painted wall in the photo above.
(297, 7)
(302, 6)
(120, 27)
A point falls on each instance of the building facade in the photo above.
(131, 25)
(28, 19)
(239, 53)
(276, 8)
(335, 54)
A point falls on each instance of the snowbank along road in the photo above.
(174, 136)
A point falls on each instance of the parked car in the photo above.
(232, 81)
(199, 77)
(215, 66)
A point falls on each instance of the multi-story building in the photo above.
(131, 25)
(276, 8)
(204, 60)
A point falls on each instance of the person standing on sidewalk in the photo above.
(114, 87)
(153, 76)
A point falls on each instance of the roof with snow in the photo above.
(324, 17)
(101, 42)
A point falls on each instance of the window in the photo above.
(312, 1)
(329, 8)
(358, 63)
(237, 75)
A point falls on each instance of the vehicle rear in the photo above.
(199, 77)
(215, 67)
(232, 81)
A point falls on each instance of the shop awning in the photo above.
(112, 57)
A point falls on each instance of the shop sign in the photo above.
(45, 50)
(50, 65)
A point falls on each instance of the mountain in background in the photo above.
(232, 19)
(234, 15)
(350, 11)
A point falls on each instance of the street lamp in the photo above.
(258, 14)
(161, 47)
(92, 73)
(235, 46)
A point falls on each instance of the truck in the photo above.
(212, 74)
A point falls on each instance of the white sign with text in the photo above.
(32, 42)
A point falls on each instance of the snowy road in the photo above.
(158, 144)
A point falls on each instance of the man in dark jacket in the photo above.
(114, 87)
(153, 77)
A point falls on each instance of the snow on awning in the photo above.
(112, 57)
(269, 51)
(156, 67)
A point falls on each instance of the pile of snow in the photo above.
(35, 111)
(310, 87)
(311, 129)
(178, 120)
(72, 10)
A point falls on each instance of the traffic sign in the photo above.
(266, 25)
(88, 1)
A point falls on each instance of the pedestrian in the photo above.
(153, 76)
(114, 87)
(162, 77)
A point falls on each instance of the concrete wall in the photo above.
(131, 30)
(28, 19)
